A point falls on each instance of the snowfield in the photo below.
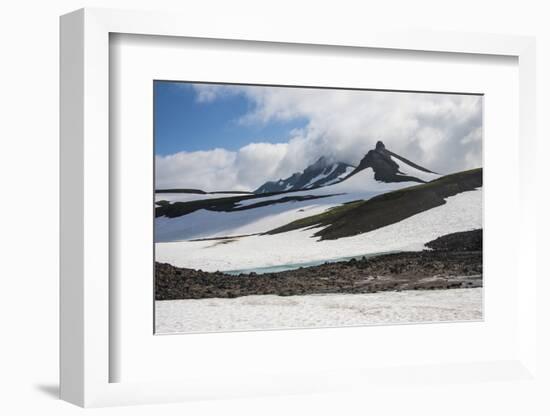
(209, 224)
(409, 170)
(461, 212)
(333, 310)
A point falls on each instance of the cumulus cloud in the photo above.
(197, 170)
(442, 132)
(220, 169)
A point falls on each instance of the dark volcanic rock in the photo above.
(385, 209)
(225, 204)
(180, 191)
(385, 168)
(437, 269)
(462, 241)
(322, 172)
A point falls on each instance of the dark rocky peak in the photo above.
(386, 169)
(379, 159)
(324, 171)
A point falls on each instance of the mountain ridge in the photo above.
(387, 166)
(324, 171)
(387, 208)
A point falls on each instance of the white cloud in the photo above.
(220, 169)
(439, 131)
(259, 160)
(197, 170)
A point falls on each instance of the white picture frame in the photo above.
(85, 307)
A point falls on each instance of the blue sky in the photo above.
(236, 137)
(182, 123)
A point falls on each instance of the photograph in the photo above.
(285, 207)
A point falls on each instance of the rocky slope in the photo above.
(390, 167)
(452, 267)
(387, 167)
(322, 172)
(461, 241)
(364, 216)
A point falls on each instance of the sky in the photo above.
(235, 137)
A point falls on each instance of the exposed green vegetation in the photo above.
(319, 219)
(363, 216)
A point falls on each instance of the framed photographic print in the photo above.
(285, 200)
(320, 223)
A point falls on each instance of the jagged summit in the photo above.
(324, 171)
(387, 167)
(390, 167)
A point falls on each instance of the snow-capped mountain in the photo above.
(387, 167)
(330, 210)
(321, 173)
(320, 187)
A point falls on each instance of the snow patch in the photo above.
(348, 170)
(333, 310)
(320, 176)
(461, 212)
(209, 224)
(407, 170)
